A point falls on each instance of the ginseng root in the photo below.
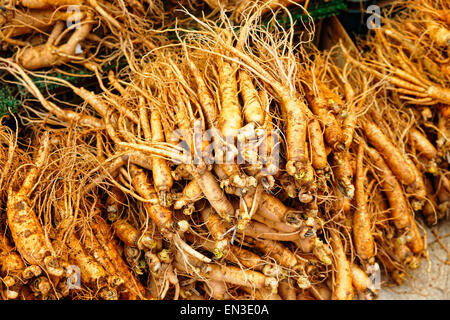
(26, 230)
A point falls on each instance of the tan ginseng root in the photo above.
(425, 160)
(286, 259)
(190, 195)
(112, 167)
(307, 240)
(217, 229)
(350, 116)
(109, 258)
(206, 99)
(230, 123)
(65, 115)
(115, 203)
(206, 180)
(253, 132)
(260, 230)
(322, 127)
(26, 230)
(192, 192)
(324, 103)
(203, 180)
(163, 274)
(268, 149)
(391, 155)
(406, 82)
(248, 205)
(224, 273)
(273, 209)
(307, 194)
(380, 210)
(410, 47)
(161, 216)
(438, 32)
(181, 172)
(252, 109)
(105, 237)
(294, 110)
(92, 272)
(162, 177)
(443, 132)
(321, 99)
(20, 23)
(362, 283)
(362, 219)
(49, 55)
(399, 252)
(394, 269)
(443, 189)
(422, 146)
(12, 267)
(154, 265)
(430, 207)
(274, 213)
(13, 271)
(318, 153)
(123, 229)
(214, 194)
(46, 4)
(115, 281)
(88, 259)
(417, 190)
(280, 226)
(399, 209)
(343, 172)
(342, 287)
(235, 254)
(8, 156)
(132, 237)
(49, 4)
(263, 207)
(189, 125)
(119, 102)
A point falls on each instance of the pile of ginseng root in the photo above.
(234, 162)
